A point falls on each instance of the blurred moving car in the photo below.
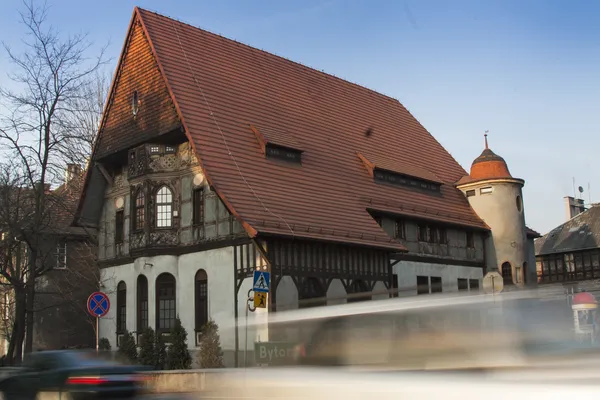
(433, 333)
(75, 375)
(509, 346)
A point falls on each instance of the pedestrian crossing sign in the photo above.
(260, 300)
(261, 281)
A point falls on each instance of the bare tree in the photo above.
(41, 130)
(83, 121)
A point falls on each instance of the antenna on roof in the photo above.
(485, 137)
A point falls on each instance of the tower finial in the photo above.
(485, 136)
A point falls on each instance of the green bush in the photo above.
(161, 352)
(210, 354)
(104, 344)
(148, 355)
(127, 348)
(178, 356)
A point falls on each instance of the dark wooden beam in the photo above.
(104, 172)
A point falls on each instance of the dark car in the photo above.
(73, 374)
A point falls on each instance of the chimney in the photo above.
(72, 171)
(573, 207)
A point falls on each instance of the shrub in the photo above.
(178, 356)
(161, 352)
(127, 348)
(211, 354)
(148, 355)
(104, 344)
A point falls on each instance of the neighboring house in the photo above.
(215, 159)
(61, 317)
(570, 253)
(68, 255)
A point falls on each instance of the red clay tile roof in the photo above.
(59, 213)
(488, 165)
(220, 87)
(64, 205)
(373, 161)
(277, 137)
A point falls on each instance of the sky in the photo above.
(527, 71)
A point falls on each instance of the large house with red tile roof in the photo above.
(215, 159)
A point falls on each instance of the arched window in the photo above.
(507, 274)
(142, 303)
(121, 307)
(165, 302)
(312, 289)
(358, 286)
(140, 211)
(164, 208)
(201, 299)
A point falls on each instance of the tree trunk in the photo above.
(29, 313)
(15, 347)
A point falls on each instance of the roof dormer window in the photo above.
(393, 178)
(278, 144)
(284, 154)
(391, 171)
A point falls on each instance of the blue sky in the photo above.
(525, 70)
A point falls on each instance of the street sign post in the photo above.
(98, 305)
(261, 281)
(274, 353)
(493, 283)
(260, 300)
(260, 286)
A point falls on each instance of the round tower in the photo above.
(497, 198)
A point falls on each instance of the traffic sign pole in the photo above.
(249, 300)
(98, 305)
(97, 341)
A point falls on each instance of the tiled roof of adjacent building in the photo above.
(579, 233)
(63, 208)
(225, 92)
(59, 212)
(531, 233)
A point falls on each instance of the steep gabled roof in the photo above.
(581, 232)
(225, 92)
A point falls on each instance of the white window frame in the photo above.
(486, 190)
(164, 207)
(154, 149)
(59, 265)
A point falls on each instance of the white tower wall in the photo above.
(502, 209)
